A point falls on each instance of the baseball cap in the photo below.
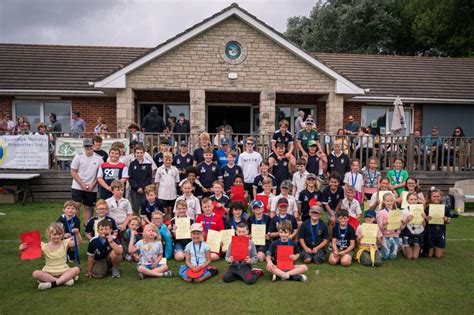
(224, 141)
(196, 227)
(309, 121)
(311, 143)
(282, 202)
(369, 214)
(183, 143)
(257, 204)
(87, 142)
(316, 209)
(311, 175)
(285, 184)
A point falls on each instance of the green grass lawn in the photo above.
(425, 286)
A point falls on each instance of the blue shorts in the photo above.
(150, 266)
(183, 269)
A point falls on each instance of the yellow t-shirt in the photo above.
(55, 259)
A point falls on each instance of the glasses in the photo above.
(249, 143)
(105, 129)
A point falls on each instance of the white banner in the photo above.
(67, 148)
(24, 152)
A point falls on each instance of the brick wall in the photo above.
(354, 109)
(5, 105)
(93, 107)
(418, 120)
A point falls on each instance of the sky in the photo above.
(141, 23)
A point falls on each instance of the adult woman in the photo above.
(98, 126)
(104, 132)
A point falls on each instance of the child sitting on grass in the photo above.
(120, 209)
(104, 252)
(198, 258)
(367, 253)
(56, 272)
(343, 240)
(150, 252)
(297, 273)
(236, 212)
(242, 269)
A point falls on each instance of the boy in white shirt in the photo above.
(192, 202)
(299, 178)
(120, 209)
(292, 204)
(166, 178)
(350, 203)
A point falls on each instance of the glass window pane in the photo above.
(173, 110)
(62, 111)
(408, 121)
(283, 113)
(307, 111)
(31, 111)
(375, 119)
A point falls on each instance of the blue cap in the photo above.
(369, 213)
(224, 141)
(257, 204)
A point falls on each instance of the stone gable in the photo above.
(197, 64)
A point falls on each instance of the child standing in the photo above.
(120, 208)
(110, 171)
(140, 175)
(368, 254)
(179, 245)
(412, 234)
(356, 180)
(158, 158)
(204, 145)
(264, 174)
(150, 204)
(391, 239)
(71, 225)
(192, 202)
(284, 137)
(299, 178)
(208, 172)
(166, 178)
(183, 159)
(242, 269)
(259, 218)
(280, 164)
(297, 273)
(56, 272)
(343, 240)
(313, 237)
(104, 251)
(150, 252)
(191, 176)
(102, 210)
(198, 258)
(332, 198)
(230, 170)
(436, 232)
(398, 176)
(371, 179)
(249, 161)
(351, 204)
(311, 191)
(338, 161)
(316, 161)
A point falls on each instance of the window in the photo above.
(38, 111)
(290, 113)
(164, 110)
(379, 119)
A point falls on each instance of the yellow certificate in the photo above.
(369, 233)
(436, 213)
(183, 228)
(417, 212)
(214, 240)
(380, 196)
(404, 200)
(227, 238)
(394, 219)
(163, 261)
(258, 234)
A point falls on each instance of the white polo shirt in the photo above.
(353, 207)
(119, 209)
(298, 182)
(168, 178)
(194, 206)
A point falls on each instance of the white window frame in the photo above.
(387, 109)
(41, 102)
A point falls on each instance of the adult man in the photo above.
(153, 122)
(305, 135)
(299, 124)
(84, 168)
(181, 126)
(352, 128)
(54, 125)
(78, 125)
(223, 151)
(433, 142)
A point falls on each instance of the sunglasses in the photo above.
(249, 143)
(105, 129)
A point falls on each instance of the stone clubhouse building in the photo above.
(232, 66)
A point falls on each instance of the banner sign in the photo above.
(67, 148)
(24, 152)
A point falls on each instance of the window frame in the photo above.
(163, 108)
(42, 103)
(292, 107)
(387, 110)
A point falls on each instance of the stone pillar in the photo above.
(334, 113)
(125, 99)
(197, 114)
(267, 112)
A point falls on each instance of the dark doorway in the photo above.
(236, 116)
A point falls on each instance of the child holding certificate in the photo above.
(343, 240)
(437, 216)
(259, 223)
(390, 225)
(369, 237)
(411, 186)
(267, 185)
(179, 221)
(412, 234)
(313, 237)
(56, 272)
(236, 212)
(241, 255)
(210, 221)
(282, 254)
(198, 258)
(375, 201)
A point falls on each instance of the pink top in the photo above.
(382, 217)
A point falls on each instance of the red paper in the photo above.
(284, 262)
(240, 247)
(33, 249)
(195, 274)
(313, 201)
(218, 210)
(237, 193)
(353, 222)
(264, 199)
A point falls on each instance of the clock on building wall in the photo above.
(233, 50)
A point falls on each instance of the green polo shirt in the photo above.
(304, 136)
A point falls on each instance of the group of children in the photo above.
(279, 216)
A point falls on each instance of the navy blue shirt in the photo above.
(147, 209)
(182, 163)
(196, 189)
(280, 170)
(258, 182)
(224, 200)
(276, 220)
(198, 156)
(183, 242)
(68, 225)
(340, 165)
(158, 158)
(437, 230)
(208, 173)
(273, 248)
(232, 224)
(312, 165)
(91, 223)
(264, 220)
(228, 175)
(304, 197)
(100, 248)
(318, 234)
(343, 236)
(332, 199)
(285, 138)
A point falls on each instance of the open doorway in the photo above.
(238, 116)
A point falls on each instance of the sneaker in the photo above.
(69, 283)
(128, 257)
(76, 277)
(274, 278)
(140, 276)
(168, 274)
(301, 278)
(115, 273)
(44, 286)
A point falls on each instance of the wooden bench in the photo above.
(463, 191)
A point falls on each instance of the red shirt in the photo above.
(213, 222)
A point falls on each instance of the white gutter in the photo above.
(391, 99)
(52, 92)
